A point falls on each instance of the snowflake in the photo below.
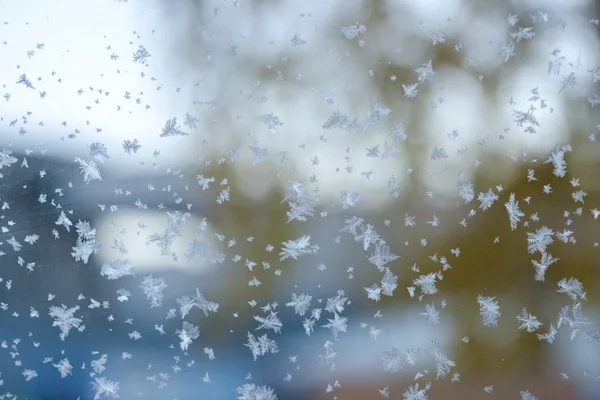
(250, 391)
(116, 269)
(514, 212)
(261, 346)
(89, 169)
(141, 55)
(296, 248)
(187, 334)
(105, 387)
(392, 360)
(489, 310)
(172, 128)
(528, 321)
(353, 31)
(64, 319)
(64, 367)
(301, 303)
(153, 289)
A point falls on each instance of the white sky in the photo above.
(76, 36)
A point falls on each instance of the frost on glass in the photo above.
(299, 199)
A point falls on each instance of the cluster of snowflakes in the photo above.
(302, 206)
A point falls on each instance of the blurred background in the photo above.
(410, 105)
